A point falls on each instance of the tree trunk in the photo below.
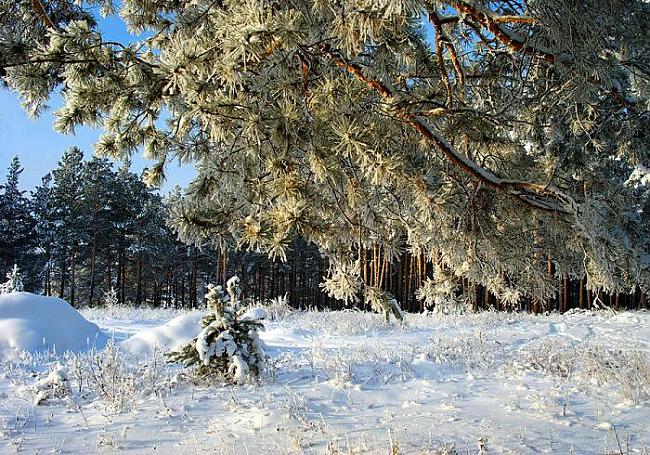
(62, 284)
(73, 279)
(93, 258)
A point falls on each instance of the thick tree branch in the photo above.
(542, 197)
(442, 38)
(507, 38)
(441, 61)
(514, 20)
(40, 10)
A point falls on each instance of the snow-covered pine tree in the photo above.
(14, 282)
(492, 136)
(228, 346)
(17, 233)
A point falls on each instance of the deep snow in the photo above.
(343, 382)
(30, 322)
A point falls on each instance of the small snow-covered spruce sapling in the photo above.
(14, 282)
(228, 346)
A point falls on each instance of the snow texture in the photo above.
(167, 337)
(345, 382)
(254, 314)
(222, 344)
(34, 323)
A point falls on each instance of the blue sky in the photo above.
(39, 147)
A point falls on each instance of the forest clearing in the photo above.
(325, 226)
(345, 382)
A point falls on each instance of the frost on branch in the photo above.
(228, 346)
(441, 294)
(344, 282)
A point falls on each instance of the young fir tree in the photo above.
(228, 345)
(17, 223)
(494, 137)
(14, 282)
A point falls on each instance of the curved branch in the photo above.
(507, 38)
(543, 197)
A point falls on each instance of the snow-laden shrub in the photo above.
(109, 375)
(111, 301)
(53, 386)
(589, 365)
(472, 352)
(630, 370)
(111, 378)
(14, 282)
(130, 313)
(228, 346)
(347, 322)
(550, 357)
(278, 308)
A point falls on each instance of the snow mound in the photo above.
(254, 314)
(167, 337)
(30, 322)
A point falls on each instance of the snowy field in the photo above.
(343, 382)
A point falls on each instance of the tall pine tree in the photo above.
(67, 199)
(17, 234)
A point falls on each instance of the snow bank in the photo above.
(30, 322)
(254, 314)
(170, 336)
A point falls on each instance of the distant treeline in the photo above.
(88, 229)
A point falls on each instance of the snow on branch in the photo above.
(507, 37)
(539, 196)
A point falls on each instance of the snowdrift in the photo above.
(30, 322)
(167, 337)
(176, 333)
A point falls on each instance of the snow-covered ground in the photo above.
(343, 382)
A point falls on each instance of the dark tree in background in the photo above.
(89, 228)
(17, 226)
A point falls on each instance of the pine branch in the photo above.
(40, 10)
(543, 197)
(433, 17)
(506, 37)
